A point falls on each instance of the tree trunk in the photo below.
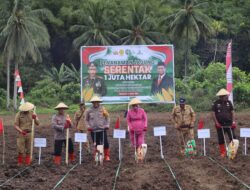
(8, 85)
(215, 49)
(186, 53)
(15, 90)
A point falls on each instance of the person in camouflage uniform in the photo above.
(23, 124)
(94, 81)
(184, 117)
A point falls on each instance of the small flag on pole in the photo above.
(201, 123)
(117, 123)
(1, 126)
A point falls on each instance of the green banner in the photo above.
(120, 73)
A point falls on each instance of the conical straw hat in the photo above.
(135, 101)
(95, 99)
(222, 92)
(27, 106)
(61, 105)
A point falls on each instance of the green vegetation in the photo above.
(42, 39)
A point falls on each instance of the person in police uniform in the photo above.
(23, 124)
(94, 81)
(60, 123)
(98, 121)
(224, 119)
(184, 117)
(79, 122)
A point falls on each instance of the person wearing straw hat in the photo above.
(79, 121)
(184, 117)
(224, 119)
(137, 124)
(23, 124)
(60, 123)
(98, 121)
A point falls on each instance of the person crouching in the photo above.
(60, 123)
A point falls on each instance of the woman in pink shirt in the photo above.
(137, 123)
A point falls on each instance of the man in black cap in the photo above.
(162, 80)
(184, 117)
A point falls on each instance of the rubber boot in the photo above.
(107, 154)
(57, 160)
(20, 159)
(222, 150)
(28, 160)
(71, 157)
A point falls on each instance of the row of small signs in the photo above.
(158, 131)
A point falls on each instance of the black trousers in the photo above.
(98, 138)
(58, 146)
(226, 131)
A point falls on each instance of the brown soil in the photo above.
(197, 173)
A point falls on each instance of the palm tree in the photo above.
(218, 28)
(23, 34)
(59, 76)
(96, 28)
(189, 22)
(140, 28)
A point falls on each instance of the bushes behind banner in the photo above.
(200, 88)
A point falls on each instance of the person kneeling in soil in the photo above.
(184, 117)
(224, 119)
(23, 124)
(97, 121)
(60, 123)
(137, 124)
(79, 122)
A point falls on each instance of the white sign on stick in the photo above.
(119, 134)
(203, 133)
(245, 132)
(40, 142)
(160, 131)
(80, 137)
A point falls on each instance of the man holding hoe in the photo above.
(23, 124)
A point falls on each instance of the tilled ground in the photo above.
(197, 173)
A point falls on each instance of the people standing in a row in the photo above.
(98, 121)
(23, 124)
(60, 123)
(184, 117)
(137, 124)
(224, 119)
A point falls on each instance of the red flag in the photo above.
(1, 127)
(19, 83)
(201, 124)
(16, 72)
(117, 123)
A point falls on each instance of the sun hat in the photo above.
(61, 105)
(222, 92)
(135, 101)
(95, 99)
(27, 106)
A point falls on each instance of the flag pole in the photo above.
(3, 145)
